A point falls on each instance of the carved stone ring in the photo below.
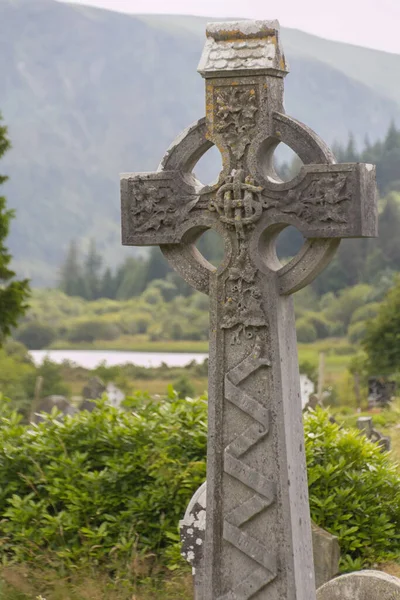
(315, 254)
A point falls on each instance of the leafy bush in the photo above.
(36, 336)
(349, 300)
(53, 380)
(136, 323)
(306, 331)
(183, 387)
(356, 331)
(364, 313)
(94, 329)
(105, 487)
(99, 487)
(382, 340)
(322, 326)
(354, 491)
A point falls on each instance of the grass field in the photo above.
(338, 354)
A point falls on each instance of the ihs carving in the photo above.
(235, 117)
(238, 201)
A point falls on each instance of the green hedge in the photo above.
(354, 491)
(99, 488)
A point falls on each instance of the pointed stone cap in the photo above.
(243, 47)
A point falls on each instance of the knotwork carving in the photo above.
(238, 201)
(264, 489)
(235, 116)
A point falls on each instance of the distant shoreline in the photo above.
(134, 346)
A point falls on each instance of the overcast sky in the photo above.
(371, 23)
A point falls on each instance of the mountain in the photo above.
(88, 93)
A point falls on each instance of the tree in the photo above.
(36, 336)
(351, 152)
(92, 272)
(157, 266)
(13, 293)
(71, 272)
(108, 284)
(131, 278)
(382, 339)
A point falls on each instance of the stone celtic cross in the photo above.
(258, 537)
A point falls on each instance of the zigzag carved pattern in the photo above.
(265, 490)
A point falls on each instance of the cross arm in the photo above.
(155, 205)
(325, 201)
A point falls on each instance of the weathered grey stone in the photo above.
(258, 535)
(94, 389)
(380, 391)
(47, 404)
(365, 425)
(115, 396)
(326, 552)
(193, 534)
(88, 405)
(363, 585)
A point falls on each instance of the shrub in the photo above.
(382, 341)
(364, 313)
(36, 335)
(53, 380)
(310, 369)
(356, 331)
(322, 326)
(354, 490)
(183, 387)
(136, 323)
(306, 331)
(98, 488)
(347, 303)
(88, 331)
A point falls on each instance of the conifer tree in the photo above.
(71, 272)
(92, 272)
(13, 293)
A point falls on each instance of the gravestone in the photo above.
(307, 389)
(380, 391)
(363, 585)
(365, 425)
(258, 533)
(115, 396)
(47, 404)
(94, 389)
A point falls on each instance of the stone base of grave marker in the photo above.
(363, 585)
(365, 425)
(326, 549)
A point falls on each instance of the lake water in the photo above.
(90, 359)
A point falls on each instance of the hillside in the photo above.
(370, 67)
(88, 94)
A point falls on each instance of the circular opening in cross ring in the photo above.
(279, 244)
(278, 162)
